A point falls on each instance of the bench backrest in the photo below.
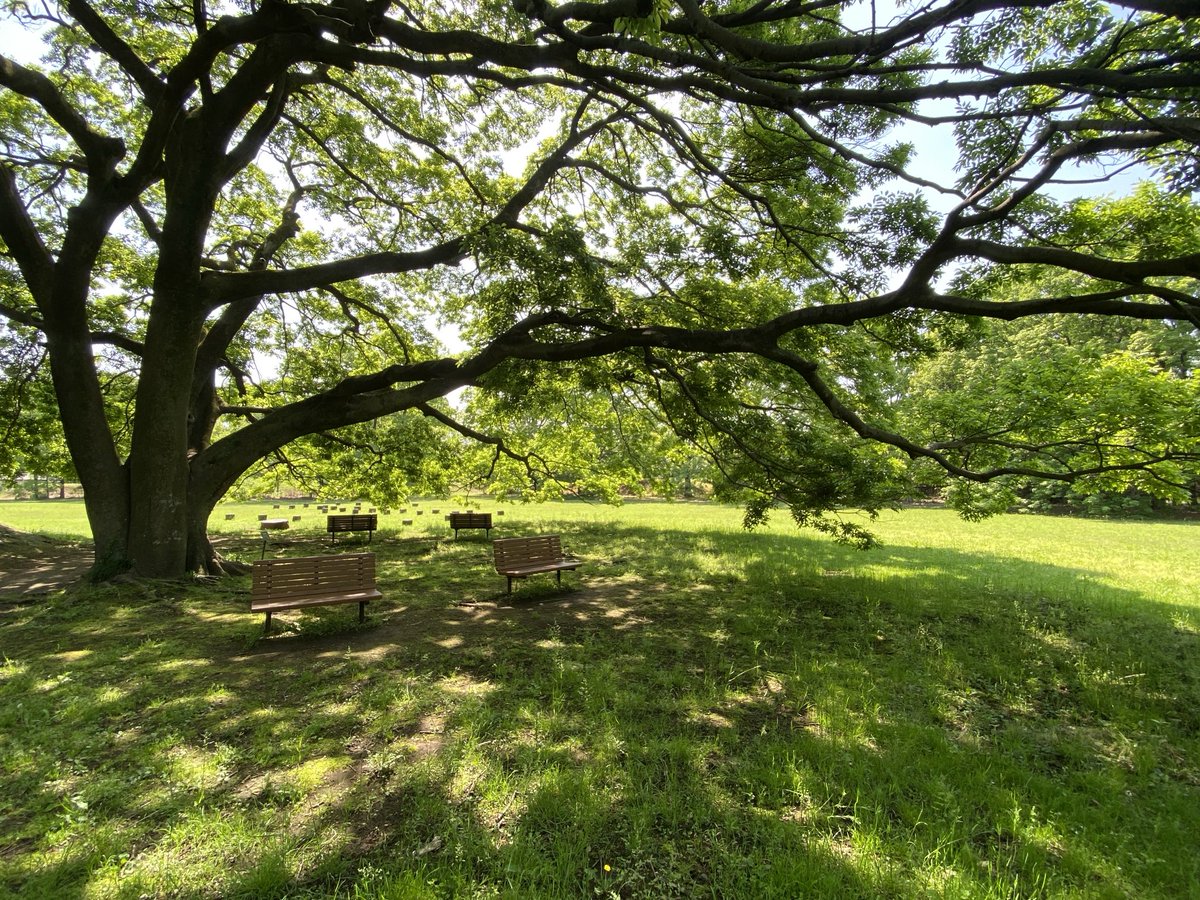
(310, 576)
(525, 550)
(470, 520)
(363, 522)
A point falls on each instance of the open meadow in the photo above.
(1002, 709)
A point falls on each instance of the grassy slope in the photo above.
(1001, 709)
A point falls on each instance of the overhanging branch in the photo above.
(528, 460)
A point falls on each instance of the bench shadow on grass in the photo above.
(783, 728)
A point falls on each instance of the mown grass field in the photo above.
(1008, 709)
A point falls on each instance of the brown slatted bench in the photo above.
(470, 520)
(313, 581)
(367, 522)
(525, 556)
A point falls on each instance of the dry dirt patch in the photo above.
(31, 565)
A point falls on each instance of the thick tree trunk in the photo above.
(202, 556)
(158, 454)
(81, 406)
(158, 457)
(117, 553)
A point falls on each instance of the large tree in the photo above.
(707, 210)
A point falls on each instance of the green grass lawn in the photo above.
(1007, 709)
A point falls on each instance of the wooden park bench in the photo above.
(367, 522)
(313, 581)
(470, 520)
(525, 556)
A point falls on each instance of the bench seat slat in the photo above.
(300, 592)
(330, 573)
(312, 588)
(297, 602)
(534, 568)
(303, 588)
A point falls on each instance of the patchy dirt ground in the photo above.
(32, 565)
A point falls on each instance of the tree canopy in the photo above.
(230, 229)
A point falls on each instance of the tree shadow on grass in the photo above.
(732, 715)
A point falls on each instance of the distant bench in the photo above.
(471, 520)
(367, 522)
(313, 581)
(525, 556)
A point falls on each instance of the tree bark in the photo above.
(81, 406)
(158, 458)
(202, 556)
(159, 520)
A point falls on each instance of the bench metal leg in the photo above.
(362, 610)
(510, 584)
(558, 576)
(267, 628)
